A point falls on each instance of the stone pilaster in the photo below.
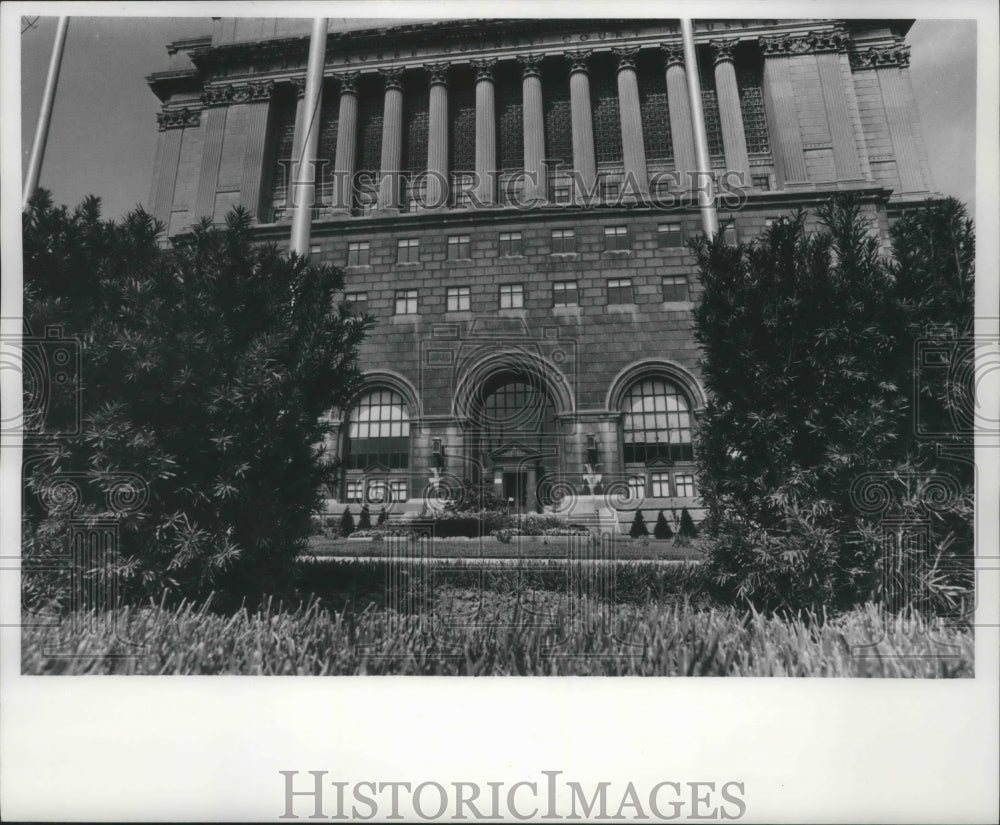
(734, 140)
(636, 182)
(486, 132)
(214, 124)
(257, 101)
(582, 122)
(679, 108)
(533, 118)
(889, 64)
(347, 140)
(297, 137)
(782, 115)
(392, 141)
(436, 194)
(168, 155)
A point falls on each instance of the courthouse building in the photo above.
(510, 200)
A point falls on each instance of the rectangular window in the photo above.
(358, 253)
(669, 236)
(357, 302)
(408, 250)
(406, 302)
(762, 182)
(563, 241)
(615, 237)
(511, 296)
(397, 489)
(675, 288)
(684, 486)
(459, 247)
(565, 294)
(354, 489)
(458, 299)
(620, 291)
(510, 244)
(660, 483)
(636, 487)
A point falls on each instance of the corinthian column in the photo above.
(436, 194)
(533, 117)
(583, 123)
(734, 139)
(679, 108)
(392, 141)
(347, 139)
(636, 176)
(486, 132)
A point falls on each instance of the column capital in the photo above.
(878, 58)
(674, 53)
(484, 68)
(784, 45)
(438, 73)
(722, 49)
(393, 77)
(626, 57)
(348, 82)
(578, 59)
(299, 83)
(178, 118)
(531, 65)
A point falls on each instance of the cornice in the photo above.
(224, 95)
(814, 42)
(178, 118)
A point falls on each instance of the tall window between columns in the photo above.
(558, 127)
(750, 82)
(656, 136)
(282, 135)
(326, 151)
(371, 104)
(604, 104)
(510, 128)
(710, 105)
(462, 132)
(416, 124)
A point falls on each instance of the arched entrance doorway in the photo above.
(514, 436)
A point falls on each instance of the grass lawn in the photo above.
(640, 620)
(533, 547)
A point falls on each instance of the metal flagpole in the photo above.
(705, 185)
(304, 172)
(45, 114)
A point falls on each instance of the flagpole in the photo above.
(705, 186)
(304, 171)
(45, 114)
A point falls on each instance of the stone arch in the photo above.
(656, 368)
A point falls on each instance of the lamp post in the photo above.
(45, 114)
(705, 186)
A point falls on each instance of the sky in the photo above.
(103, 135)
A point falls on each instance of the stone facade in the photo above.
(510, 201)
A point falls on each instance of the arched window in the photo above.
(379, 432)
(656, 422)
(515, 410)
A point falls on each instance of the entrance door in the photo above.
(515, 486)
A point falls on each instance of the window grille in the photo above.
(654, 112)
(511, 296)
(379, 432)
(458, 298)
(604, 105)
(416, 116)
(563, 241)
(620, 291)
(565, 293)
(459, 247)
(558, 118)
(675, 288)
(284, 136)
(462, 119)
(510, 124)
(510, 244)
(749, 81)
(656, 422)
(406, 302)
